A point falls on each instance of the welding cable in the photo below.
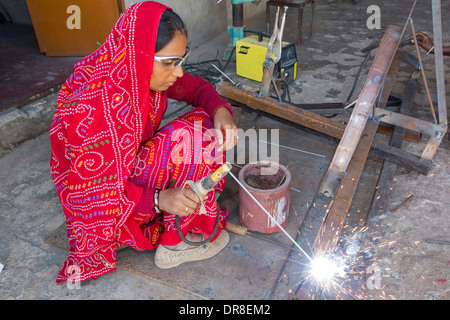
(204, 70)
(284, 92)
(216, 226)
(229, 59)
(357, 76)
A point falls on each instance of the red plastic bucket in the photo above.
(270, 183)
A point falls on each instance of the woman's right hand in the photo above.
(178, 201)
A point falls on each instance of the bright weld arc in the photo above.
(271, 218)
(323, 268)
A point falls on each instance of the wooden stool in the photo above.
(292, 3)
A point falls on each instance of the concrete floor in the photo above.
(20, 68)
(405, 266)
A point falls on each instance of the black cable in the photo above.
(357, 76)
(216, 226)
(205, 70)
(229, 59)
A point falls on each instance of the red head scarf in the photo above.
(102, 111)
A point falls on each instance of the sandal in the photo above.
(166, 258)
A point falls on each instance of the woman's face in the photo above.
(165, 74)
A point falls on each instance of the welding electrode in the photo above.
(243, 231)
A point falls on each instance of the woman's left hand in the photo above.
(223, 121)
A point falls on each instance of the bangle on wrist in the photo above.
(156, 201)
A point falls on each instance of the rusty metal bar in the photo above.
(362, 111)
(386, 177)
(283, 110)
(334, 221)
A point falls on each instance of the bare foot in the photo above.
(194, 237)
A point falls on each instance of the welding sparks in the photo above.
(326, 269)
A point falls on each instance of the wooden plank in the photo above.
(334, 222)
(406, 160)
(385, 180)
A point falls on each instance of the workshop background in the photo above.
(390, 255)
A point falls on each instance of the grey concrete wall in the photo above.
(204, 18)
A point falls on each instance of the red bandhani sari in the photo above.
(108, 157)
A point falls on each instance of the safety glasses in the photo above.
(174, 61)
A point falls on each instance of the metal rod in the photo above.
(271, 218)
(438, 241)
(430, 101)
(272, 241)
(408, 199)
(279, 145)
(349, 105)
(409, 17)
(223, 74)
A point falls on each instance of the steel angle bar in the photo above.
(408, 122)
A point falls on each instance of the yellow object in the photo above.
(250, 56)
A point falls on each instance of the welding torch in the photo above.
(201, 189)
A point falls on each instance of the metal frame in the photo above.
(334, 196)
